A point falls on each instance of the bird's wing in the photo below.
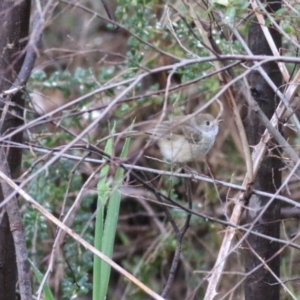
(162, 129)
(169, 130)
(189, 133)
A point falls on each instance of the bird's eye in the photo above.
(207, 123)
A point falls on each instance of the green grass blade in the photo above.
(111, 222)
(46, 289)
(103, 190)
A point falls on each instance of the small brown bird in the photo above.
(185, 138)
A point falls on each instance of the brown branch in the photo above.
(10, 161)
(31, 49)
(16, 227)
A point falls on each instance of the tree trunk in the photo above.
(14, 28)
(260, 284)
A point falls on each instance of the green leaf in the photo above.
(103, 190)
(280, 12)
(46, 289)
(110, 196)
(229, 15)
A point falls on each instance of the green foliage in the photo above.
(83, 80)
(49, 190)
(232, 9)
(79, 261)
(72, 290)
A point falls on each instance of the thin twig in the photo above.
(179, 237)
(166, 173)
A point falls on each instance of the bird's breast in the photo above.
(181, 149)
